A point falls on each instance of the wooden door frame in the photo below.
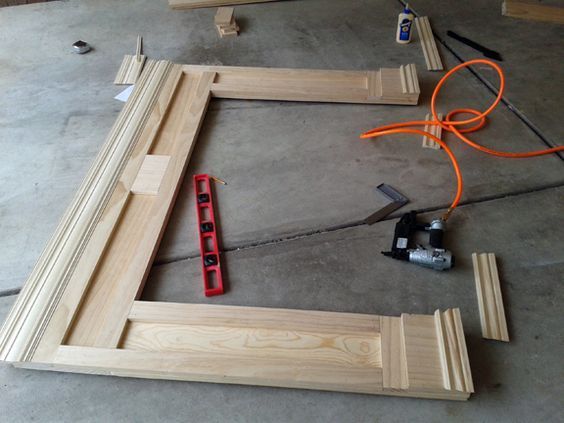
(79, 309)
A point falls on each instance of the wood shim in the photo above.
(195, 4)
(532, 11)
(436, 130)
(79, 311)
(430, 51)
(129, 70)
(490, 302)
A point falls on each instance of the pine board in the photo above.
(78, 311)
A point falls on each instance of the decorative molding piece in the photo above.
(490, 302)
(435, 130)
(532, 11)
(430, 51)
(195, 4)
(452, 348)
(79, 311)
(435, 352)
(131, 66)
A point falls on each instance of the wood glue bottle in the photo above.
(405, 21)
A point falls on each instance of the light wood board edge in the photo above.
(196, 4)
(242, 364)
(428, 44)
(490, 302)
(533, 12)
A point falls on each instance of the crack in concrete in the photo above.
(353, 224)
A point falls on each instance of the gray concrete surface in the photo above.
(527, 47)
(299, 181)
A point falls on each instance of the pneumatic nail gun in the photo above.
(435, 257)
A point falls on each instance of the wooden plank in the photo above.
(490, 302)
(119, 277)
(341, 356)
(394, 369)
(435, 130)
(532, 11)
(150, 176)
(337, 347)
(195, 4)
(29, 317)
(257, 317)
(306, 372)
(428, 44)
(392, 86)
(130, 69)
(65, 304)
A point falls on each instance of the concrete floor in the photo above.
(299, 182)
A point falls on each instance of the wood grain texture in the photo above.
(428, 44)
(394, 368)
(226, 344)
(223, 16)
(490, 302)
(150, 176)
(532, 11)
(336, 348)
(130, 69)
(78, 312)
(253, 317)
(435, 130)
(129, 254)
(385, 86)
(66, 305)
(75, 242)
(306, 373)
(422, 355)
(454, 357)
(195, 4)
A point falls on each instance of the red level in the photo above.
(209, 250)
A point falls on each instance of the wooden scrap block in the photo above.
(435, 130)
(224, 16)
(490, 302)
(224, 20)
(148, 180)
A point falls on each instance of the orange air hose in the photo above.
(451, 125)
